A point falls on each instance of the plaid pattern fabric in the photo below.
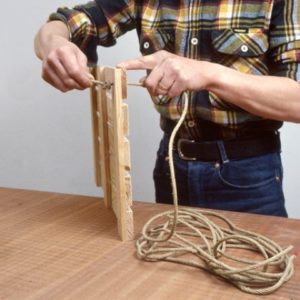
(260, 37)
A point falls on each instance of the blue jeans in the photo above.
(251, 185)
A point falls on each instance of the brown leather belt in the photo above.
(235, 149)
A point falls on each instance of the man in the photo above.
(239, 62)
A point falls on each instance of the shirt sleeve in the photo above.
(98, 22)
(285, 39)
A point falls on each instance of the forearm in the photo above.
(270, 97)
(50, 36)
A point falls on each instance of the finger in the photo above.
(162, 82)
(58, 73)
(142, 81)
(182, 83)
(133, 64)
(166, 82)
(161, 89)
(162, 92)
(51, 77)
(147, 62)
(176, 89)
(152, 81)
(76, 70)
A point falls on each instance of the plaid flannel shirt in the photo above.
(260, 37)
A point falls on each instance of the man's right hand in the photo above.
(64, 64)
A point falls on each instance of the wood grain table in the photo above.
(58, 246)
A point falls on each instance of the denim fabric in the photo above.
(251, 185)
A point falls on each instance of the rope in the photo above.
(188, 236)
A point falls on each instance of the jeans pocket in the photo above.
(252, 172)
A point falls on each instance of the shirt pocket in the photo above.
(243, 50)
(152, 40)
(250, 42)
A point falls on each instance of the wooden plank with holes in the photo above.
(103, 140)
(95, 127)
(112, 149)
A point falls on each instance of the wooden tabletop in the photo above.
(58, 246)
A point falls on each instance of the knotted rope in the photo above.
(189, 236)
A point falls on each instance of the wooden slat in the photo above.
(104, 140)
(95, 128)
(114, 148)
(119, 153)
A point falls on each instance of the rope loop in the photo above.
(190, 237)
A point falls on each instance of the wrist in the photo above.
(212, 75)
(51, 36)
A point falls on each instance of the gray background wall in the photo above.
(45, 135)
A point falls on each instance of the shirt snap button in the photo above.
(194, 41)
(146, 45)
(244, 48)
(191, 123)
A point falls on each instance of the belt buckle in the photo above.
(181, 154)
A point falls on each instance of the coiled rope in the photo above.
(188, 236)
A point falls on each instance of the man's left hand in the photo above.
(170, 74)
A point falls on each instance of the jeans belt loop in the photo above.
(222, 150)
